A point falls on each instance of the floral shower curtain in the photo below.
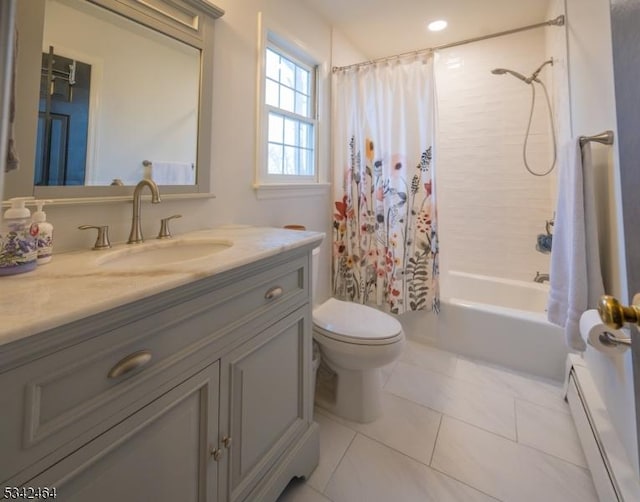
(385, 243)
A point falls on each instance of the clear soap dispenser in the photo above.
(18, 252)
(44, 238)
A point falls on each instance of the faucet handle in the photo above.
(165, 233)
(102, 241)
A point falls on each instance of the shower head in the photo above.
(503, 71)
(526, 80)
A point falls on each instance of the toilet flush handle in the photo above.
(273, 293)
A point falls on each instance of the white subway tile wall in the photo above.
(490, 208)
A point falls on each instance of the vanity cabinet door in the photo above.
(161, 453)
(265, 401)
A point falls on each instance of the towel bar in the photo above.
(606, 138)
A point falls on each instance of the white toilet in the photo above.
(355, 341)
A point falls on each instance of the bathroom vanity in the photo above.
(178, 380)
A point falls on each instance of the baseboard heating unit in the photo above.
(613, 475)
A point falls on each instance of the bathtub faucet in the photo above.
(540, 278)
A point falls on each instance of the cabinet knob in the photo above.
(216, 453)
(226, 441)
(273, 293)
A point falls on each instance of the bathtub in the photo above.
(501, 321)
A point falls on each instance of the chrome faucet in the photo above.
(540, 278)
(135, 235)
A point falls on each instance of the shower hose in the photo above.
(526, 138)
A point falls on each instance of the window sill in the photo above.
(283, 190)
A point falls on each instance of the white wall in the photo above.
(593, 111)
(233, 141)
(343, 51)
(490, 208)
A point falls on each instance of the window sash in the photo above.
(312, 77)
(304, 150)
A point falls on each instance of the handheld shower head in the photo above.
(503, 71)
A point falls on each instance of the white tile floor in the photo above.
(453, 430)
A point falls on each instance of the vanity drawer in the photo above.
(63, 400)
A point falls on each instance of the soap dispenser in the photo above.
(18, 252)
(44, 239)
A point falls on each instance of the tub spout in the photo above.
(540, 278)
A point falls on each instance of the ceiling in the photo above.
(381, 28)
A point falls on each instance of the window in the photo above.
(290, 108)
(288, 127)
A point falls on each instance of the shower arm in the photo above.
(534, 75)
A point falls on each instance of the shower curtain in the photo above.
(385, 242)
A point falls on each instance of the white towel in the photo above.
(173, 173)
(575, 275)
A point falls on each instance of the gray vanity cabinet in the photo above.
(162, 452)
(218, 405)
(268, 404)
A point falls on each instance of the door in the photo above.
(264, 406)
(162, 453)
(63, 121)
(625, 19)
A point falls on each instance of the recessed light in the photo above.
(437, 25)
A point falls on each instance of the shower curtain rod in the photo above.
(558, 21)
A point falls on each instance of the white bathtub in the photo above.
(502, 321)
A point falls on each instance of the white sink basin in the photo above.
(160, 253)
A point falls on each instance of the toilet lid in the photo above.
(355, 323)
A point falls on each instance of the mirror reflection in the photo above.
(63, 112)
(118, 101)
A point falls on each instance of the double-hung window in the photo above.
(290, 108)
(289, 116)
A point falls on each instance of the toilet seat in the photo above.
(354, 323)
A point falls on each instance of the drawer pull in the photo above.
(273, 293)
(226, 441)
(130, 363)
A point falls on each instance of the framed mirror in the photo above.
(110, 92)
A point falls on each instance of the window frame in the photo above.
(310, 120)
(276, 185)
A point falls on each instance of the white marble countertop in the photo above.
(74, 285)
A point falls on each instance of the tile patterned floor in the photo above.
(453, 430)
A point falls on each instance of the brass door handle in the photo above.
(130, 363)
(226, 441)
(615, 315)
